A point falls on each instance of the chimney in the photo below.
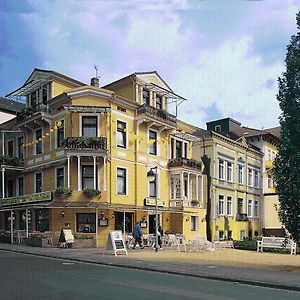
(95, 81)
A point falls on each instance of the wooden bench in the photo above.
(276, 242)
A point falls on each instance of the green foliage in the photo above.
(245, 245)
(91, 192)
(63, 192)
(83, 236)
(11, 160)
(287, 163)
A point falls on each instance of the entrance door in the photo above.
(152, 223)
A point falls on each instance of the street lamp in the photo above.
(152, 177)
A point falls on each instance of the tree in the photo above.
(287, 163)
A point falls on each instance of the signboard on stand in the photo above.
(115, 243)
(66, 238)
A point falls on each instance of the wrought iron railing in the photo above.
(28, 111)
(241, 217)
(181, 162)
(95, 143)
(155, 112)
(11, 161)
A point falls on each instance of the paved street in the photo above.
(29, 277)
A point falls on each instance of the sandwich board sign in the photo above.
(115, 243)
(66, 238)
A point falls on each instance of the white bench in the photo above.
(276, 242)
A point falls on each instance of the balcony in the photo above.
(158, 114)
(29, 111)
(185, 162)
(178, 203)
(11, 161)
(92, 143)
(241, 217)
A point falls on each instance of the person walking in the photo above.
(160, 233)
(137, 235)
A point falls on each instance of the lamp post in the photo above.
(152, 177)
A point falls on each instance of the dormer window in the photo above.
(158, 102)
(146, 96)
(218, 128)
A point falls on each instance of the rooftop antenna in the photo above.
(96, 71)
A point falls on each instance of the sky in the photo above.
(223, 56)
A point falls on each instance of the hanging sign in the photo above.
(115, 243)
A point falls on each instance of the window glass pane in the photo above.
(153, 143)
(10, 188)
(88, 177)
(178, 149)
(121, 134)
(38, 146)
(20, 148)
(221, 205)
(38, 182)
(86, 223)
(146, 96)
(60, 177)
(42, 220)
(221, 169)
(194, 223)
(89, 126)
(158, 102)
(121, 181)
(152, 189)
(20, 186)
(240, 205)
(22, 219)
(60, 135)
(10, 148)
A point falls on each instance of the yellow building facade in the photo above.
(77, 157)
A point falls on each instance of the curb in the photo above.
(178, 272)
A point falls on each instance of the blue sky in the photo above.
(223, 56)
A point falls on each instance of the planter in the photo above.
(84, 243)
(5, 239)
(37, 242)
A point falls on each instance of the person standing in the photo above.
(137, 235)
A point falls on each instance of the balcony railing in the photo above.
(11, 161)
(29, 111)
(241, 217)
(94, 143)
(158, 113)
(185, 162)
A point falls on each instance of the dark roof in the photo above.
(10, 106)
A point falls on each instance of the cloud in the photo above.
(223, 56)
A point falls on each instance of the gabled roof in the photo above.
(40, 77)
(10, 106)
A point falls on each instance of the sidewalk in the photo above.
(179, 263)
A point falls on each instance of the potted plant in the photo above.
(90, 193)
(63, 192)
(83, 240)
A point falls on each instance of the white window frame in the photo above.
(21, 148)
(250, 208)
(243, 234)
(223, 169)
(218, 128)
(126, 179)
(250, 177)
(126, 124)
(62, 167)
(34, 184)
(89, 115)
(231, 206)
(231, 171)
(256, 209)
(223, 212)
(255, 171)
(97, 173)
(157, 143)
(240, 173)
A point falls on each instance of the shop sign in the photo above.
(38, 197)
(115, 243)
(151, 202)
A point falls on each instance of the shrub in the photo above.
(63, 192)
(245, 245)
(91, 192)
